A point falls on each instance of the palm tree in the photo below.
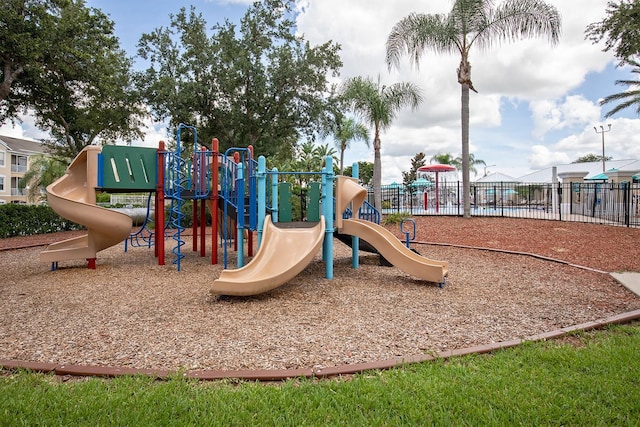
(43, 171)
(378, 105)
(470, 22)
(321, 153)
(473, 162)
(308, 158)
(628, 98)
(344, 131)
(446, 159)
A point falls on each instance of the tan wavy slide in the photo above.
(385, 242)
(73, 197)
(283, 254)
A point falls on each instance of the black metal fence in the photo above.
(602, 203)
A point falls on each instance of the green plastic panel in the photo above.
(313, 202)
(284, 208)
(129, 168)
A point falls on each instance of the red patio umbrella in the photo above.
(437, 168)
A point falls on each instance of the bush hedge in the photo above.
(25, 220)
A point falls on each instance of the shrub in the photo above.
(396, 218)
(25, 220)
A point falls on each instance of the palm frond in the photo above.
(416, 33)
(520, 19)
(627, 98)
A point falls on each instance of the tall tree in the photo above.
(620, 30)
(257, 83)
(469, 23)
(378, 105)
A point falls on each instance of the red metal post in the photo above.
(159, 209)
(250, 233)
(194, 224)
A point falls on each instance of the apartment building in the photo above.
(14, 163)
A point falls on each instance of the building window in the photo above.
(1, 183)
(2, 157)
(15, 187)
(18, 164)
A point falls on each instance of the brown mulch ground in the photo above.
(131, 312)
(596, 246)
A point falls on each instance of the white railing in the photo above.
(129, 199)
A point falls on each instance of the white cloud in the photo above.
(542, 157)
(25, 128)
(568, 113)
(154, 133)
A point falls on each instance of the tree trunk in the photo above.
(466, 187)
(377, 173)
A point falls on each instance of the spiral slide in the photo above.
(389, 246)
(283, 254)
(73, 197)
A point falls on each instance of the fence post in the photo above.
(559, 204)
(626, 188)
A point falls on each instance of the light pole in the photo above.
(602, 131)
(485, 169)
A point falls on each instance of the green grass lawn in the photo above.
(591, 379)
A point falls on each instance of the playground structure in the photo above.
(247, 196)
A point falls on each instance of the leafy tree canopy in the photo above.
(257, 84)
(25, 41)
(591, 158)
(365, 173)
(412, 174)
(620, 29)
(61, 61)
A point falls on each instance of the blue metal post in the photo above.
(262, 196)
(327, 208)
(355, 241)
(101, 171)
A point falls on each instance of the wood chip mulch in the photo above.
(130, 312)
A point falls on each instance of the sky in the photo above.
(536, 105)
